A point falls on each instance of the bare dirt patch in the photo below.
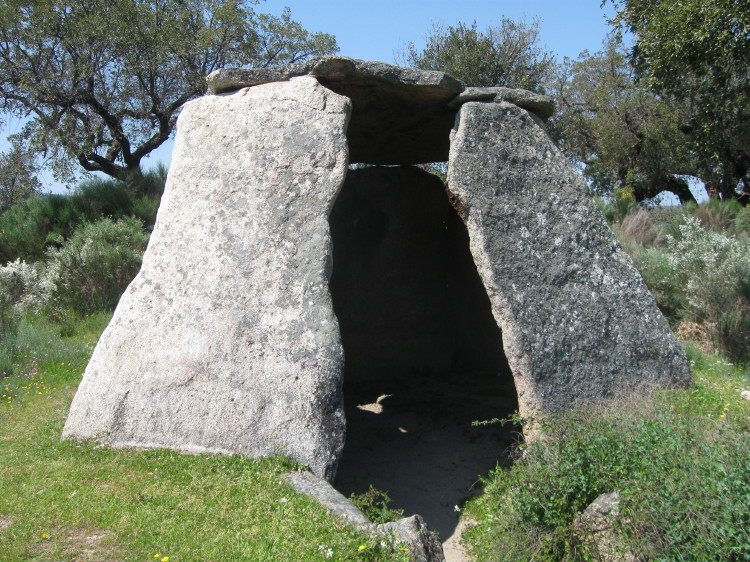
(418, 444)
(80, 545)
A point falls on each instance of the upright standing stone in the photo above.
(578, 322)
(226, 340)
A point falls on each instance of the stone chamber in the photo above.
(424, 357)
(309, 289)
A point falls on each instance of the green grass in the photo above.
(80, 501)
(679, 459)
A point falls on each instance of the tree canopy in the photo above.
(17, 177)
(697, 52)
(101, 82)
(505, 55)
(625, 135)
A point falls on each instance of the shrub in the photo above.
(665, 283)
(683, 479)
(22, 290)
(96, 264)
(30, 227)
(618, 206)
(714, 270)
(374, 505)
(697, 274)
(717, 214)
(741, 224)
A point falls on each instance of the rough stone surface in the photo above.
(437, 84)
(578, 322)
(745, 394)
(424, 545)
(598, 522)
(226, 340)
(400, 115)
(330, 498)
(541, 106)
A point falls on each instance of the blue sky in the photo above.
(377, 29)
(372, 30)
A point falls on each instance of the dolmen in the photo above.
(296, 198)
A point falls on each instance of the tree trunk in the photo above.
(133, 180)
(712, 188)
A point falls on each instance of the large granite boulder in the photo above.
(226, 340)
(578, 322)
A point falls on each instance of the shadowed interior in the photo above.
(424, 356)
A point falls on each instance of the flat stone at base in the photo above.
(226, 340)
(423, 544)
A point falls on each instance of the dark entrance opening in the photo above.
(424, 356)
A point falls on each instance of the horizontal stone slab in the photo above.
(400, 115)
(539, 105)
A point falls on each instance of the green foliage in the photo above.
(625, 136)
(17, 177)
(697, 52)
(505, 55)
(374, 505)
(678, 461)
(741, 223)
(696, 262)
(29, 228)
(95, 264)
(68, 500)
(718, 215)
(658, 271)
(21, 288)
(714, 270)
(103, 80)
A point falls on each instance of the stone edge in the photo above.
(226, 80)
(424, 544)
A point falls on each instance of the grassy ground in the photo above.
(72, 501)
(680, 461)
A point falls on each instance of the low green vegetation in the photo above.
(696, 262)
(374, 505)
(80, 501)
(29, 228)
(680, 461)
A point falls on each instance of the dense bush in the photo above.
(30, 227)
(20, 285)
(95, 264)
(696, 262)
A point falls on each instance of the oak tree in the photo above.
(101, 82)
(697, 52)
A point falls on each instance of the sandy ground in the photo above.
(416, 442)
